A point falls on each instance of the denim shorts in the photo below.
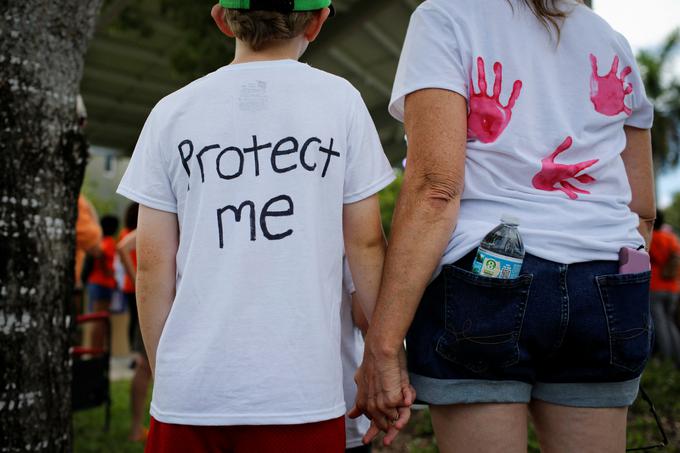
(575, 335)
(98, 293)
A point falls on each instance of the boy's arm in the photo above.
(124, 248)
(365, 249)
(358, 315)
(157, 244)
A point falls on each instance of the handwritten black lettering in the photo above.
(237, 216)
(186, 158)
(240, 163)
(199, 158)
(330, 152)
(266, 212)
(255, 149)
(282, 152)
(303, 151)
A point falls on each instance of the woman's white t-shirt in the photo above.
(545, 125)
(257, 160)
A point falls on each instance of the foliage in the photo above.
(672, 213)
(201, 49)
(665, 95)
(205, 48)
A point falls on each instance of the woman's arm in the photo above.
(637, 158)
(157, 244)
(125, 248)
(424, 219)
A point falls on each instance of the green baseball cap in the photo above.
(282, 6)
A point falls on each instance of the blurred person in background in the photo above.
(665, 257)
(88, 237)
(101, 282)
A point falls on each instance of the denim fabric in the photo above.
(97, 293)
(479, 339)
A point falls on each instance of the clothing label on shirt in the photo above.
(491, 264)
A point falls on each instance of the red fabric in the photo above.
(322, 437)
(102, 271)
(128, 284)
(664, 243)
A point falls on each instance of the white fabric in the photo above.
(511, 171)
(352, 350)
(253, 336)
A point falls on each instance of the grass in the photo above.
(88, 426)
(661, 380)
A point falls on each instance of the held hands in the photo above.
(384, 394)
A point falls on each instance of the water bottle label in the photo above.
(491, 264)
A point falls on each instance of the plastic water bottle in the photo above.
(501, 253)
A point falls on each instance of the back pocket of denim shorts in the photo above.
(625, 299)
(483, 319)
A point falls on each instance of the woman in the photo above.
(535, 109)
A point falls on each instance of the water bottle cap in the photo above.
(510, 219)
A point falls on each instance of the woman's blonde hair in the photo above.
(549, 13)
(259, 28)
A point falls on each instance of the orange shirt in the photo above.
(88, 233)
(102, 271)
(128, 284)
(664, 243)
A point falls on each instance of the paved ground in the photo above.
(120, 368)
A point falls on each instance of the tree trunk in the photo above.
(42, 161)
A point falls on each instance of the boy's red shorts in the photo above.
(322, 437)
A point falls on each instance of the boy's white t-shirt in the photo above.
(352, 351)
(545, 127)
(257, 160)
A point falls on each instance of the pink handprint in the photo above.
(608, 93)
(488, 118)
(554, 176)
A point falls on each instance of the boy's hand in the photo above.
(384, 393)
(392, 432)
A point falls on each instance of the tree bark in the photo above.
(42, 161)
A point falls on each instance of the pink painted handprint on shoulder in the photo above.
(488, 118)
(608, 93)
(554, 176)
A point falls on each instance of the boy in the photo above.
(247, 179)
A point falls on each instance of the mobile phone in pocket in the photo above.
(632, 261)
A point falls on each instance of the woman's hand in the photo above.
(424, 219)
(384, 393)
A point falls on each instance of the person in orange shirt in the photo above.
(88, 236)
(101, 282)
(665, 289)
